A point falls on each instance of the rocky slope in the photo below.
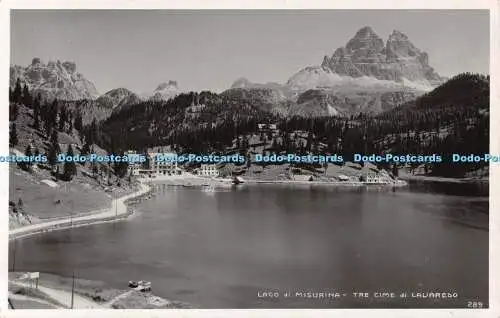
(243, 82)
(118, 98)
(55, 79)
(259, 97)
(326, 102)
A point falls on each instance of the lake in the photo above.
(275, 246)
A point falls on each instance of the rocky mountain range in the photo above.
(365, 62)
(55, 79)
(398, 60)
(60, 80)
(366, 75)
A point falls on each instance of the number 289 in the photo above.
(474, 304)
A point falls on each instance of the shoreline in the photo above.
(421, 178)
(56, 290)
(91, 297)
(119, 209)
(197, 181)
(324, 183)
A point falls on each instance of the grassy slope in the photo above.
(83, 194)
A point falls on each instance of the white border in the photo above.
(492, 5)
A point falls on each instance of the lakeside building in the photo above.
(207, 170)
(374, 179)
(302, 177)
(153, 167)
(342, 177)
(267, 127)
(164, 167)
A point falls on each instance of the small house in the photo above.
(302, 177)
(343, 177)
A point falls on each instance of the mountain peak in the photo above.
(164, 91)
(166, 85)
(398, 60)
(365, 39)
(118, 98)
(398, 35)
(118, 91)
(241, 82)
(36, 61)
(69, 66)
(365, 31)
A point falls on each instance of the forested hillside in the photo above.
(452, 118)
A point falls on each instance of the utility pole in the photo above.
(14, 257)
(116, 206)
(73, 290)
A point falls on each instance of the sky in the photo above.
(209, 50)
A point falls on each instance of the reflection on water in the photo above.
(220, 249)
(463, 189)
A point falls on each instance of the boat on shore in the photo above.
(209, 188)
(238, 180)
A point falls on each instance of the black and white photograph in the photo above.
(249, 159)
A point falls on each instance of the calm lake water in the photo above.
(225, 249)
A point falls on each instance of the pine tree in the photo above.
(91, 133)
(147, 163)
(95, 169)
(309, 141)
(54, 111)
(16, 95)
(63, 117)
(121, 167)
(109, 177)
(395, 171)
(78, 123)
(13, 136)
(52, 156)
(69, 166)
(13, 111)
(36, 113)
(27, 164)
(85, 149)
(54, 149)
(26, 100)
(70, 123)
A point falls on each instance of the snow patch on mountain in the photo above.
(313, 77)
(164, 91)
(331, 110)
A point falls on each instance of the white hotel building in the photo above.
(156, 167)
(208, 170)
